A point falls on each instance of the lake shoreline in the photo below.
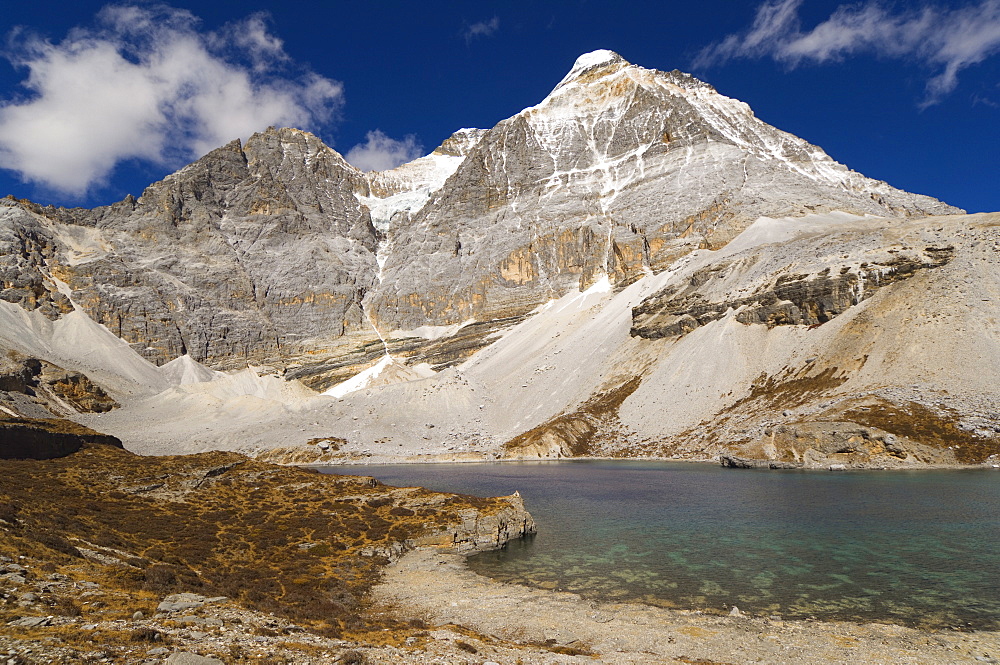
(439, 588)
(478, 458)
(906, 549)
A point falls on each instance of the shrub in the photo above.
(66, 607)
(8, 513)
(55, 542)
(352, 658)
(145, 634)
(160, 578)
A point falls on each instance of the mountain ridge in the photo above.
(395, 287)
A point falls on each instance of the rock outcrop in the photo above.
(734, 462)
(26, 248)
(481, 531)
(791, 299)
(29, 387)
(35, 438)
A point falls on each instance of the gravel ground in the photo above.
(438, 588)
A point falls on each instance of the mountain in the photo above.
(618, 171)
(635, 266)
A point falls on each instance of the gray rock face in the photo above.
(31, 387)
(180, 602)
(187, 658)
(280, 253)
(734, 462)
(26, 247)
(481, 532)
(26, 438)
(31, 622)
(618, 171)
(251, 253)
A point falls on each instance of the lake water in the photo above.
(919, 548)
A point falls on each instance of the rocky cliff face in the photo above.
(26, 247)
(791, 298)
(618, 171)
(250, 254)
(280, 253)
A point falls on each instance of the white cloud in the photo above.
(381, 153)
(146, 84)
(481, 29)
(947, 40)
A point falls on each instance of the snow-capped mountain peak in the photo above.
(601, 58)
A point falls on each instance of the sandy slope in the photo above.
(75, 342)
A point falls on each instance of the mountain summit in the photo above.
(601, 58)
(618, 171)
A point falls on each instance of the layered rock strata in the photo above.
(791, 299)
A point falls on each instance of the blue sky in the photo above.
(98, 100)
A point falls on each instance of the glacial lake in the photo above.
(920, 548)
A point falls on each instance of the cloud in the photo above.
(481, 29)
(946, 40)
(381, 153)
(144, 83)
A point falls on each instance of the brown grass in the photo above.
(932, 428)
(576, 431)
(788, 390)
(54, 425)
(276, 539)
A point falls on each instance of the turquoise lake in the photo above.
(919, 548)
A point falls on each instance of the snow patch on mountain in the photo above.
(593, 109)
(360, 380)
(589, 61)
(408, 187)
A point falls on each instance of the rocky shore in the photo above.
(430, 608)
(319, 459)
(437, 588)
